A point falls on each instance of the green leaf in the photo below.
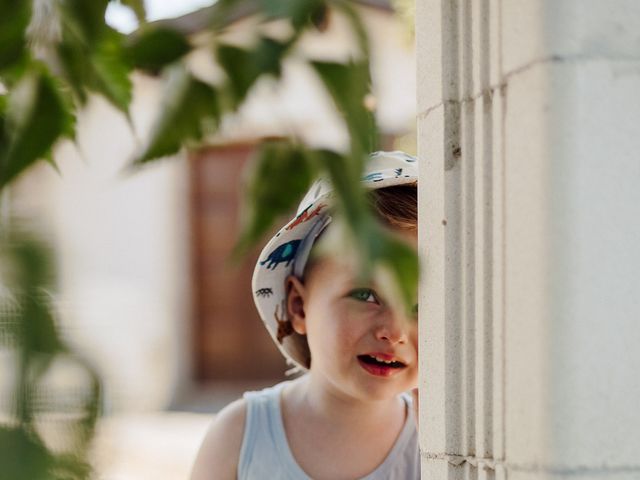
(189, 105)
(83, 21)
(243, 67)
(278, 178)
(91, 407)
(4, 134)
(29, 275)
(153, 48)
(35, 118)
(112, 73)
(267, 56)
(32, 258)
(23, 456)
(344, 173)
(103, 70)
(374, 244)
(402, 262)
(69, 467)
(76, 70)
(138, 8)
(91, 54)
(300, 12)
(13, 23)
(27, 316)
(66, 96)
(39, 331)
(349, 85)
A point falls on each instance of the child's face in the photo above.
(348, 326)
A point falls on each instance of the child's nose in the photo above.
(392, 329)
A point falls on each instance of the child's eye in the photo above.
(364, 295)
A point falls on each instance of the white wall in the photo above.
(529, 127)
(121, 245)
(123, 249)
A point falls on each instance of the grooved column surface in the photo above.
(528, 137)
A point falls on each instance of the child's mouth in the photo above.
(378, 366)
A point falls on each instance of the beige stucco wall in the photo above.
(529, 127)
(121, 247)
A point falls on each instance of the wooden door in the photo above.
(230, 341)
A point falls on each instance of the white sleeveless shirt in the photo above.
(265, 452)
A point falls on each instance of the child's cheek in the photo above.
(348, 329)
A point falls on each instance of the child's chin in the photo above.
(386, 392)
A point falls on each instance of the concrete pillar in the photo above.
(528, 134)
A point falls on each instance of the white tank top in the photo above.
(265, 453)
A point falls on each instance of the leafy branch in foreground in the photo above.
(54, 54)
(85, 55)
(29, 333)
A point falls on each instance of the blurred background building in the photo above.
(147, 288)
(147, 291)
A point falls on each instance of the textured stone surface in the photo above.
(543, 29)
(429, 43)
(603, 474)
(592, 28)
(594, 144)
(526, 236)
(432, 325)
(498, 284)
(532, 285)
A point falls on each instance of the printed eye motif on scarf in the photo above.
(264, 292)
(375, 176)
(283, 253)
(305, 216)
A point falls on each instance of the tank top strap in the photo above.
(265, 452)
(403, 461)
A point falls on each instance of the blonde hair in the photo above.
(397, 206)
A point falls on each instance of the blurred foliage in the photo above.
(150, 49)
(29, 335)
(188, 105)
(276, 160)
(54, 54)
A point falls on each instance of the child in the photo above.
(349, 416)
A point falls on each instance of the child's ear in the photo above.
(296, 294)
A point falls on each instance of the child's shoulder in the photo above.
(220, 449)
